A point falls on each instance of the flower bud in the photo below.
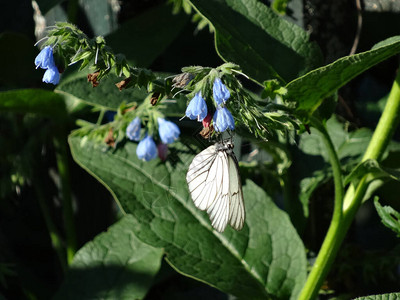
(146, 149)
(133, 130)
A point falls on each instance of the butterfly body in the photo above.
(215, 185)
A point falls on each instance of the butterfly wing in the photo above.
(208, 180)
(215, 186)
(219, 208)
(237, 211)
(201, 178)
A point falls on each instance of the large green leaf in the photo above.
(100, 15)
(37, 101)
(265, 259)
(252, 35)
(115, 265)
(143, 38)
(106, 94)
(308, 91)
(392, 296)
(46, 5)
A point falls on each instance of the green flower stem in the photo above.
(63, 170)
(354, 195)
(329, 247)
(336, 168)
(101, 116)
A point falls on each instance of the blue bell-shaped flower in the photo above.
(51, 75)
(133, 130)
(223, 120)
(168, 131)
(220, 92)
(197, 108)
(45, 58)
(146, 149)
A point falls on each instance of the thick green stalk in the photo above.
(329, 247)
(354, 195)
(382, 135)
(63, 171)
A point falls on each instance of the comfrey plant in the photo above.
(287, 111)
(196, 82)
(216, 93)
(76, 46)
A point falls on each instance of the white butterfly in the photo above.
(215, 185)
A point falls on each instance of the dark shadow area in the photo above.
(103, 282)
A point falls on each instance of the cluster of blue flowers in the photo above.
(168, 131)
(45, 60)
(223, 119)
(147, 149)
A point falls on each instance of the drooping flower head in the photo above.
(220, 92)
(51, 75)
(197, 108)
(168, 131)
(133, 130)
(45, 58)
(223, 120)
(146, 149)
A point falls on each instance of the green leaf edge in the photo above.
(293, 86)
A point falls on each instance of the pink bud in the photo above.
(207, 120)
(162, 151)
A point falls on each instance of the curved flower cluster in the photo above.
(147, 148)
(223, 119)
(45, 60)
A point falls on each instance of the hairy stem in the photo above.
(354, 195)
